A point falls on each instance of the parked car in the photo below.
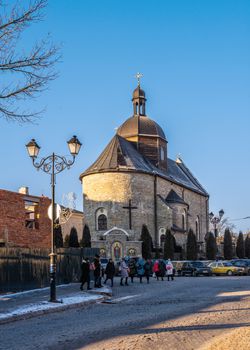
(195, 268)
(245, 264)
(225, 268)
(177, 267)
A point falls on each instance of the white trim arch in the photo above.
(116, 229)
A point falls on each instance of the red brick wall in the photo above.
(12, 221)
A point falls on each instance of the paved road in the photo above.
(182, 314)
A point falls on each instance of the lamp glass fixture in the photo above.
(74, 145)
(221, 213)
(33, 148)
(211, 215)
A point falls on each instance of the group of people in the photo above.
(129, 268)
(86, 267)
(142, 268)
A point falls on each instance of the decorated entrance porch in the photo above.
(116, 244)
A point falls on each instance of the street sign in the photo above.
(57, 211)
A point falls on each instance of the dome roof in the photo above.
(139, 93)
(140, 125)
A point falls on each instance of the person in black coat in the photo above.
(162, 269)
(97, 271)
(85, 277)
(110, 272)
(148, 269)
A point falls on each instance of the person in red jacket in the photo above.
(156, 269)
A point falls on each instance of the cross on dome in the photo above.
(138, 76)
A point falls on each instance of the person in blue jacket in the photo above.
(140, 268)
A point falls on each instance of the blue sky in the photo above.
(195, 58)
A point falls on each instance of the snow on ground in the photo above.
(45, 305)
(30, 291)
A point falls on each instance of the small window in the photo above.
(162, 153)
(197, 228)
(102, 222)
(31, 215)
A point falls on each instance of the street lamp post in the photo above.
(52, 165)
(215, 220)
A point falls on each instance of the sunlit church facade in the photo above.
(134, 183)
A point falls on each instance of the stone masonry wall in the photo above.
(197, 205)
(113, 190)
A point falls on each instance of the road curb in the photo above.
(101, 297)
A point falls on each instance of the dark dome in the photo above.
(138, 93)
(140, 125)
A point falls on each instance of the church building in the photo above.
(134, 183)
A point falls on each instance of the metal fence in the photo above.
(23, 269)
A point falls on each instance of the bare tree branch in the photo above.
(29, 73)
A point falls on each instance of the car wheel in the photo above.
(229, 273)
(194, 274)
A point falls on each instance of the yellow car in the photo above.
(225, 268)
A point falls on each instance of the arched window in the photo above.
(197, 228)
(101, 219)
(102, 222)
(162, 153)
(183, 220)
(161, 237)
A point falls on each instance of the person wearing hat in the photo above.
(85, 277)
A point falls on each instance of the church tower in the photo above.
(145, 134)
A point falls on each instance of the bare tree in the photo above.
(23, 75)
(222, 226)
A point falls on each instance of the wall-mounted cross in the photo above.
(130, 208)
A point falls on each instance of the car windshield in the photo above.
(227, 264)
(197, 264)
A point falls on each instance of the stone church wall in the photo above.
(197, 205)
(113, 190)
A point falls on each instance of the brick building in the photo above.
(134, 183)
(24, 220)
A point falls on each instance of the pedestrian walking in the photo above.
(170, 270)
(148, 269)
(156, 269)
(132, 269)
(124, 272)
(85, 270)
(97, 271)
(110, 272)
(140, 268)
(162, 269)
